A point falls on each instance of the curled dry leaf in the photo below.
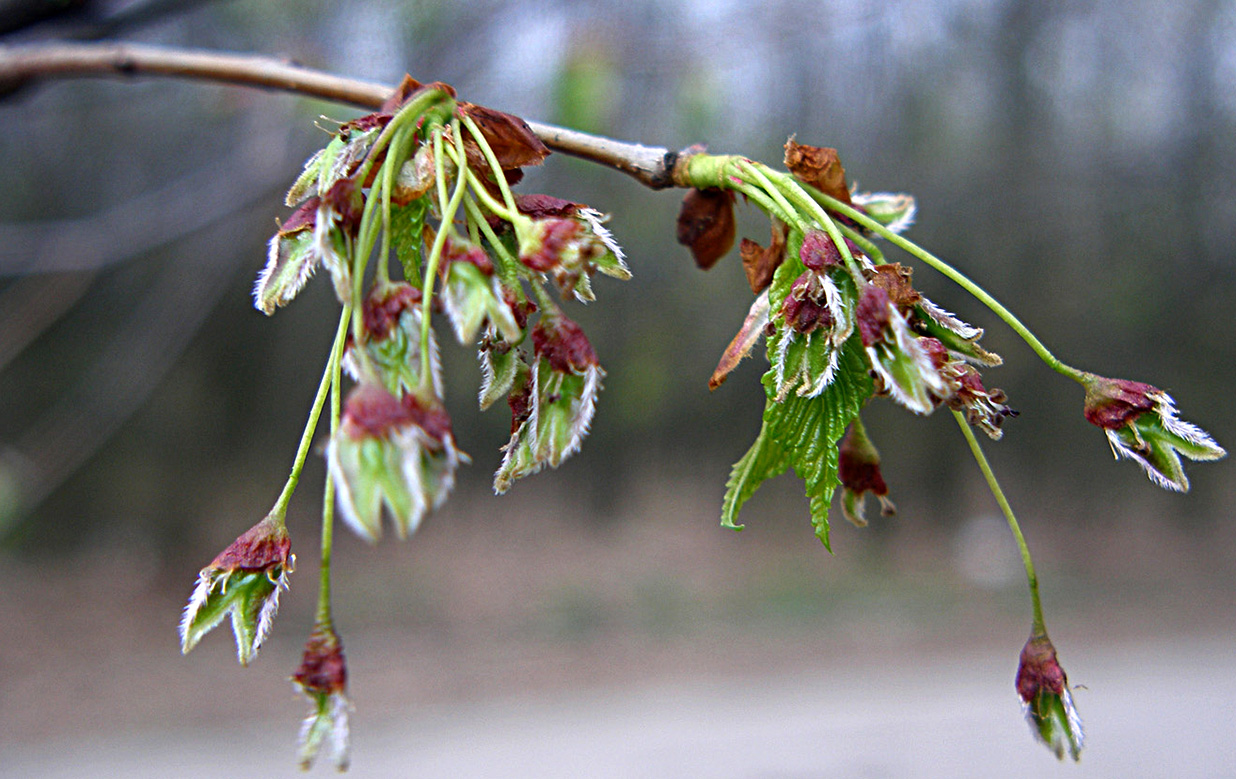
(818, 166)
(706, 224)
(758, 262)
(745, 340)
(510, 138)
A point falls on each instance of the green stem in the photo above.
(749, 168)
(410, 112)
(492, 159)
(431, 270)
(507, 265)
(869, 248)
(315, 411)
(766, 203)
(805, 203)
(958, 278)
(328, 494)
(1032, 578)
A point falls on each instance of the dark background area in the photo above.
(1075, 158)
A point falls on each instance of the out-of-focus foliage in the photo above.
(1079, 160)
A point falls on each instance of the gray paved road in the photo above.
(1152, 711)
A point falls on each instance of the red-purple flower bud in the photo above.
(323, 678)
(818, 251)
(1153, 440)
(1114, 403)
(806, 309)
(1044, 691)
(858, 468)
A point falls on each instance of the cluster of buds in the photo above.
(843, 325)
(817, 291)
(422, 184)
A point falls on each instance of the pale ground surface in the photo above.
(1157, 710)
(480, 649)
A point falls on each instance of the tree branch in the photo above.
(25, 65)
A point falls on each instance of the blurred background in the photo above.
(1075, 158)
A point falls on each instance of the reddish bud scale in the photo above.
(322, 667)
(303, 218)
(461, 251)
(344, 199)
(262, 546)
(1114, 403)
(372, 412)
(818, 251)
(384, 306)
(374, 121)
(540, 206)
(1039, 670)
(894, 278)
(557, 236)
(432, 419)
(872, 314)
(706, 224)
(521, 309)
(937, 351)
(564, 344)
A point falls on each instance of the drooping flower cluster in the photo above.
(423, 184)
(843, 325)
(823, 291)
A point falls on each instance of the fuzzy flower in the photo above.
(291, 260)
(397, 452)
(391, 351)
(244, 581)
(815, 322)
(472, 295)
(983, 408)
(1141, 424)
(1044, 691)
(552, 401)
(903, 369)
(323, 678)
(569, 242)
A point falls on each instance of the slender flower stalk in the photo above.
(958, 278)
(1032, 578)
(329, 383)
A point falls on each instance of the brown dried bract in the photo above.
(760, 263)
(818, 166)
(512, 141)
(894, 278)
(706, 224)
